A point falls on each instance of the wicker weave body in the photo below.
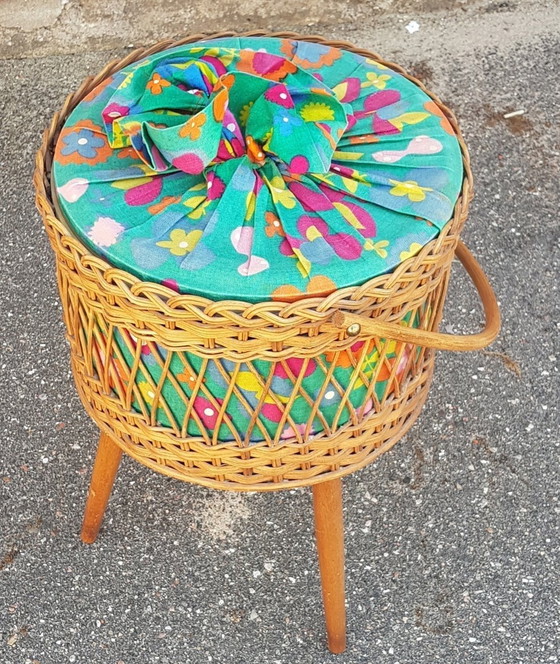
(102, 304)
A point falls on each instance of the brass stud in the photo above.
(353, 330)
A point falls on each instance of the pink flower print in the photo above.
(266, 65)
(113, 112)
(365, 408)
(189, 162)
(73, 190)
(343, 170)
(145, 193)
(334, 195)
(207, 412)
(278, 94)
(145, 349)
(271, 412)
(171, 283)
(379, 100)
(295, 365)
(381, 126)
(105, 232)
(215, 63)
(311, 200)
(298, 164)
(375, 102)
(348, 90)
(290, 433)
(215, 186)
(351, 119)
(345, 246)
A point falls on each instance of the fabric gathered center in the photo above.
(257, 169)
(200, 116)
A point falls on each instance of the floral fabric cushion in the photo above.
(257, 168)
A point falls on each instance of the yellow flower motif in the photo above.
(378, 247)
(412, 250)
(378, 81)
(246, 381)
(197, 205)
(244, 113)
(409, 188)
(317, 111)
(180, 242)
(225, 55)
(147, 392)
(250, 204)
(280, 193)
(371, 61)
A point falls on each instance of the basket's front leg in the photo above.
(104, 470)
(329, 531)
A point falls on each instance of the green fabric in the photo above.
(257, 168)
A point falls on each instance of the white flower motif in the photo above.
(105, 231)
(73, 190)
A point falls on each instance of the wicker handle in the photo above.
(360, 325)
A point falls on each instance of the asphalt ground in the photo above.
(452, 536)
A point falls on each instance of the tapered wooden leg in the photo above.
(104, 471)
(329, 531)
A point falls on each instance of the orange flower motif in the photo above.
(156, 208)
(188, 376)
(353, 353)
(273, 225)
(220, 104)
(191, 129)
(363, 138)
(98, 89)
(130, 128)
(265, 65)
(126, 153)
(433, 108)
(84, 143)
(317, 286)
(156, 84)
(227, 80)
(254, 151)
(319, 91)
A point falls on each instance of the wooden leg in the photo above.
(329, 531)
(104, 471)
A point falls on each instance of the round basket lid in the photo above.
(256, 168)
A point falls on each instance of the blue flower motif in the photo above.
(84, 142)
(285, 122)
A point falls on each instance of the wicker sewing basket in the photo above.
(100, 301)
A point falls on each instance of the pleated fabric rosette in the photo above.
(256, 169)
